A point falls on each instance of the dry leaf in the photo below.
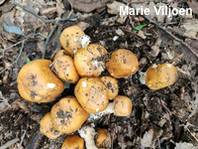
(60, 11)
(191, 27)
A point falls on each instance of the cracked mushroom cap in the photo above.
(90, 61)
(123, 106)
(47, 128)
(103, 139)
(67, 115)
(73, 142)
(91, 93)
(123, 63)
(64, 68)
(37, 83)
(73, 38)
(112, 86)
(160, 76)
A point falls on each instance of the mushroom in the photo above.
(60, 53)
(73, 142)
(103, 139)
(121, 106)
(112, 86)
(88, 133)
(47, 128)
(73, 38)
(159, 76)
(90, 61)
(91, 93)
(123, 63)
(64, 68)
(67, 115)
(37, 83)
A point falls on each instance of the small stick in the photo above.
(9, 143)
(22, 138)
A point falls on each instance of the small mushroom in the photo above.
(90, 61)
(67, 115)
(73, 38)
(73, 142)
(64, 68)
(123, 63)
(159, 76)
(112, 86)
(37, 83)
(47, 128)
(121, 106)
(103, 139)
(91, 93)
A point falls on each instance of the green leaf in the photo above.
(27, 60)
(139, 27)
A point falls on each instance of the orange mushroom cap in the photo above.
(91, 93)
(37, 83)
(60, 53)
(73, 38)
(103, 139)
(123, 63)
(123, 106)
(90, 61)
(67, 115)
(65, 69)
(47, 128)
(73, 142)
(160, 76)
(112, 86)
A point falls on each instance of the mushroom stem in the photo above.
(142, 78)
(88, 133)
(82, 41)
(108, 110)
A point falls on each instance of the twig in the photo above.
(3, 50)
(45, 21)
(4, 100)
(50, 34)
(22, 138)
(23, 41)
(9, 143)
(48, 38)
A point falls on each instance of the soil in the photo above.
(169, 115)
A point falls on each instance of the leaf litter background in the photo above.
(166, 118)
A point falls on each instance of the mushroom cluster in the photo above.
(82, 63)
